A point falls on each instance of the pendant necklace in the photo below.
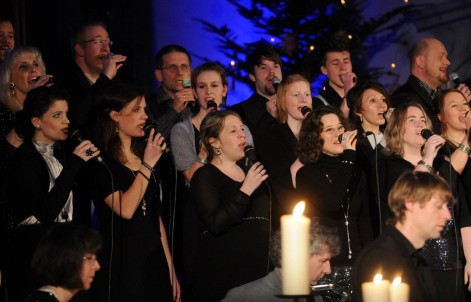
(144, 202)
(345, 215)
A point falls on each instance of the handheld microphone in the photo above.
(305, 110)
(426, 133)
(455, 78)
(250, 154)
(186, 83)
(77, 138)
(364, 134)
(212, 104)
(110, 55)
(275, 82)
(150, 124)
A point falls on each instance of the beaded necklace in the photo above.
(345, 215)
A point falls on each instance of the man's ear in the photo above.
(158, 75)
(252, 77)
(324, 70)
(420, 61)
(79, 50)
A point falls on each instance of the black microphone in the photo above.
(455, 78)
(275, 82)
(250, 154)
(149, 125)
(110, 55)
(426, 133)
(76, 137)
(212, 104)
(364, 134)
(305, 110)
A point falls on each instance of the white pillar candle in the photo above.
(376, 291)
(399, 292)
(295, 252)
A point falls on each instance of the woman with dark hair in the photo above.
(65, 262)
(369, 103)
(333, 186)
(407, 150)
(233, 211)
(38, 183)
(127, 198)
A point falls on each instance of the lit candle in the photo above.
(295, 252)
(376, 291)
(399, 292)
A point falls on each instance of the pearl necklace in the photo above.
(345, 215)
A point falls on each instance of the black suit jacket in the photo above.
(411, 91)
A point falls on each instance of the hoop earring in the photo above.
(12, 88)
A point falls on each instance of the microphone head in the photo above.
(305, 110)
(340, 138)
(74, 135)
(455, 78)
(275, 81)
(149, 125)
(212, 104)
(426, 133)
(186, 83)
(250, 153)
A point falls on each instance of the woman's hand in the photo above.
(349, 140)
(256, 175)
(155, 147)
(44, 80)
(431, 147)
(86, 150)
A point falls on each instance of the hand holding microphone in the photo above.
(432, 145)
(256, 174)
(112, 63)
(85, 149)
(275, 81)
(348, 139)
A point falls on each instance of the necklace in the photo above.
(345, 215)
(143, 203)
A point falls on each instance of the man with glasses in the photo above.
(94, 67)
(170, 104)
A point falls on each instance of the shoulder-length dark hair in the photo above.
(58, 257)
(211, 127)
(310, 144)
(37, 102)
(355, 96)
(114, 98)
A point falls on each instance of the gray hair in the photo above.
(320, 236)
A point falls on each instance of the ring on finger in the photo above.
(88, 152)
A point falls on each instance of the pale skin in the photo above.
(131, 120)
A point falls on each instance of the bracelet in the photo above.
(145, 165)
(140, 172)
(464, 149)
(201, 160)
(429, 167)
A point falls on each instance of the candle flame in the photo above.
(299, 209)
(378, 278)
(396, 281)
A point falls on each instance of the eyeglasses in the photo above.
(176, 68)
(331, 131)
(91, 259)
(98, 41)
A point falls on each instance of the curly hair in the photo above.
(310, 144)
(394, 132)
(281, 95)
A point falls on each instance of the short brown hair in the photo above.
(416, 187)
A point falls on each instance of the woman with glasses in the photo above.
(137, 263)
(334, 187)
(64, 263)
(407, 150)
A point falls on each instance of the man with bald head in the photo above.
(429, 70)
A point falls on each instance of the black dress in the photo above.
(334, 187)
(41, 296)
(234, 234)
(139, 268)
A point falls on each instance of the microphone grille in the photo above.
(453, 76)
(275, 80)
(426, 133)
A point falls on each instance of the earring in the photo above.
(361, 118)
(116, 129)
(12, 88)
(38, 127)
(218, 151)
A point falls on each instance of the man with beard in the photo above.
(337, 66)
(7, 38)
(95, 66)
(428, 66)
(263, 64)
(169, 105)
